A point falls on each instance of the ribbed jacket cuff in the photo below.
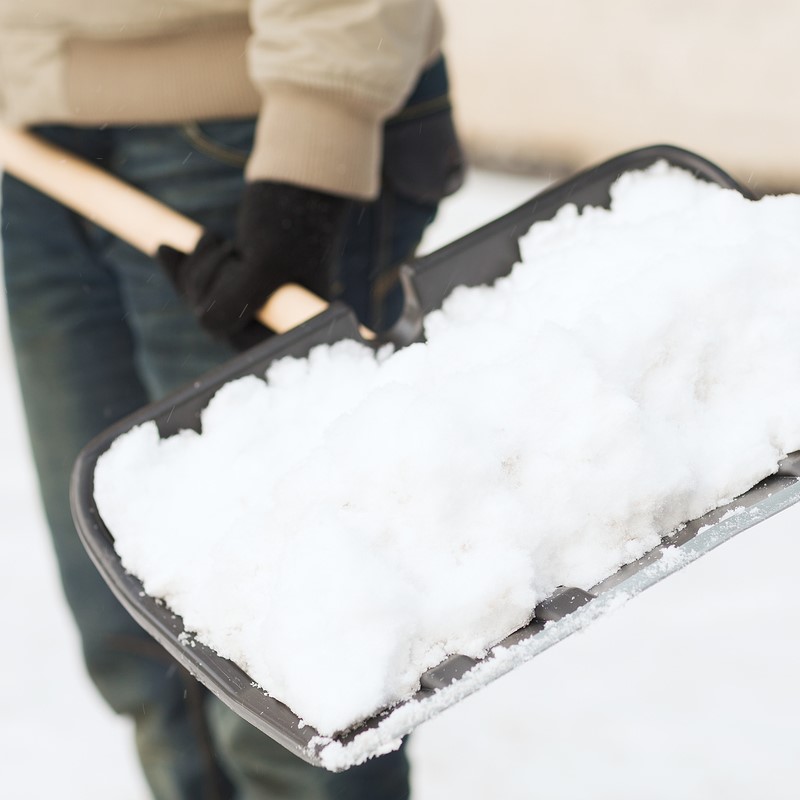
(307, 138)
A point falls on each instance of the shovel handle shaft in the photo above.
(133, 216)
(128, 213)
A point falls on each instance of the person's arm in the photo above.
(330, 72)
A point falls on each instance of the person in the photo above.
(313, 140)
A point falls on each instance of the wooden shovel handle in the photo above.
(130, 214)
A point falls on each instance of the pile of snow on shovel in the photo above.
(346, 524)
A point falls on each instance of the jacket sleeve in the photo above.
(330, 73)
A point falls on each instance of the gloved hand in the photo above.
(284, 233)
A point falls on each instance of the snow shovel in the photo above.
(478, 258)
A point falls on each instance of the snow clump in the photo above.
(345, 525)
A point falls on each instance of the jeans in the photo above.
(98, 331)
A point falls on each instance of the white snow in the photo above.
(688, 691)
(346, 525)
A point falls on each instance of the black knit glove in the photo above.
(284, 234)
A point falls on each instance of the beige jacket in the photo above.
(322, 75)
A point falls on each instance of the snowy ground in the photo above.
(688, 691)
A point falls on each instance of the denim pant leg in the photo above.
(75, 359)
